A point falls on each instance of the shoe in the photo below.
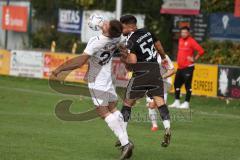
(154, 129)
(167, 138)
(119, 145)
(184, 105)
(127, 151)
(176, 104)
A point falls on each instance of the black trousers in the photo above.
(184, 76)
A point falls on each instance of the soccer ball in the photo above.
(95, 22)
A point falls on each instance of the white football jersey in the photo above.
(101, 50)
(163, 70)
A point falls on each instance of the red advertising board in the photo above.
(237, 8)
(15, 18)
(181, 7)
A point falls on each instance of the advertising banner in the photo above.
(224, 27)
(69, 21)
(4, 62)
(229, 82)
(237, 8)
(120, 73)
(15, 18)
(26, 64)
(204, 81)
(198, 25)
(181, 7)
(54, 60)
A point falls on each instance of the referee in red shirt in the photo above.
(185, 60)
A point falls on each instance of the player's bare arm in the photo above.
(169, 73)
(160, 49)
(127, 58)
(73, 64)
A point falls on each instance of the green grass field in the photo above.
(29, 129)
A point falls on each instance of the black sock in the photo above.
(164, 112)
(177, 93)
(188, 95)
(126, 112)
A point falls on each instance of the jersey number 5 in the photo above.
(146, 48)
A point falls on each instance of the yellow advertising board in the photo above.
(204, 81)
(4, 62)
(53, 60)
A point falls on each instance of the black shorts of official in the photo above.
(184, 76)
(137, 87)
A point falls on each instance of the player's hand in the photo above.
(123, 53)
(190, 59)
(56, 72)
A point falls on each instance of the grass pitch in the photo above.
(30, 130)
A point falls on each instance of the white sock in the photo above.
(125, 125)
(166, 124)
(120, 118)
(153, 116)
(165, 97)
(114, 124)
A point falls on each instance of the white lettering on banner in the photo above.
(69, 16)
(17, 22)
(12, 22)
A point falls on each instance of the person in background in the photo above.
(185, 60)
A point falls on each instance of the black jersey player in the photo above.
(140, 56)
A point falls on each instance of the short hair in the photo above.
(185, 28)
(128, 19)
(115, 29)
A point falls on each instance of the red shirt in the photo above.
(186, 48)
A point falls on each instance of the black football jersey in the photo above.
(141, 42)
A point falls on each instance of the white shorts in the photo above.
(102, 96)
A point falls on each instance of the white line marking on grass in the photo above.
(42, 92)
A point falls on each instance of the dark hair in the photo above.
(185, 28)
(115, 29)
(128, 19)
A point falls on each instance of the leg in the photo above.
(152, 113)
(188, 83)
(165, 116)
(158, 96)
(188, 75)
(127, 109)
(112, 108)
(113, 123)
(178, 82)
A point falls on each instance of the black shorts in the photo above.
(145, 83)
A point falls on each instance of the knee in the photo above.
(129, 103)
(102, 112)
(151, 105)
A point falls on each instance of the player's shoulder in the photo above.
(94, 39)
(139, 33)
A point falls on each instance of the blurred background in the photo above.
(43, 25)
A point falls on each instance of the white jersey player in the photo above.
(98, 54)
(167, 70)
